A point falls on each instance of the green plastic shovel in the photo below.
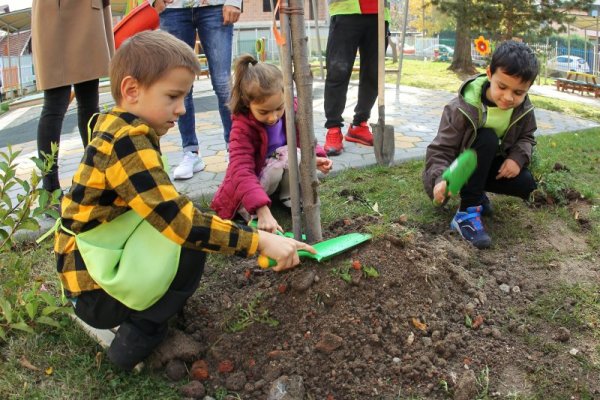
(325, 249)
(459, 172)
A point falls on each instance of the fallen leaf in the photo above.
(356, 265)
(26, 364)
(247, 273)
(419, 325)
(477, 321)
(49, 371)
(376, 207)
(282, 288)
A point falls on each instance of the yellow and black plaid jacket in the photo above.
(121, 170)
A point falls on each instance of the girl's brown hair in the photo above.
(147, 56)
(253, 81)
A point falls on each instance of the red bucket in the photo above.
(142, 18)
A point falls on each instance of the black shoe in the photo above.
(132, 346)
(486, 207)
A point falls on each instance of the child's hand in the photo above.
(281, 249)
(266, 221)
(324, 164)
(439, 192)
(508, 169)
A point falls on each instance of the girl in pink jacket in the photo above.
(258, 164)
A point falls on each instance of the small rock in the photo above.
(329, 343)
(287, 388)
(573, 352)
(482, 297)
(504, 288)
(194, 390)
(469, 308)
(410, 339)
(563, 334)
(396, 360)
(427, 342)
(175, 370)
(516, 289)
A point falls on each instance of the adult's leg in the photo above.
(216, 40)
(87, 97)
(342, 44)
(520, 186)
(56, 101)
(141, 331)
(179, 23)
(486, 146)
(369, 60)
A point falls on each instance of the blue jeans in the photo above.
(216, 40)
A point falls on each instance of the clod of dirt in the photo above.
(305, 280)
(175, 370)
(194, 390)
(560, 167)
(179, 346)
(562, 335)
(235, 381)
(466, 387)
(287, 388)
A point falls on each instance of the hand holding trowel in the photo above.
(325, 249)
(456, 175)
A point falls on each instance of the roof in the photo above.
(16, 43)
(16, 21)
(586, 22)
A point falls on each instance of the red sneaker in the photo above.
(334, 141)
(360, 134)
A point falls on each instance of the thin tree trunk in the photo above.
(304, 85)
(290, 125)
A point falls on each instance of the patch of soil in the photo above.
(439, 318)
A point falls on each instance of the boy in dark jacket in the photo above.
(493, 116)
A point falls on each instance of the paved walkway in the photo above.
(414, 113)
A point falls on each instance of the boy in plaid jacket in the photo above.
(122, 170)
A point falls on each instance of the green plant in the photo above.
(370, 272)
(29, 205)
(343, 273)
(24, 307)
(248, 315)
(483, 382)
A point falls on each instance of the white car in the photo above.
(568, 63)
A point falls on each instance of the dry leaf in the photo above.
(26, 364)
(49, 371)
(477, 322)
(419, 325)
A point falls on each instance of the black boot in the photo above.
(50, 181)
(131, 345)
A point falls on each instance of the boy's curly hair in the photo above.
(147, 56)
(515, 59)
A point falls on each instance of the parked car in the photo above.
(568, 63)
(439, 52)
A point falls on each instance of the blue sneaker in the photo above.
(469, 225)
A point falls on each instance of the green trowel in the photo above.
(459, 172)
(325, 249)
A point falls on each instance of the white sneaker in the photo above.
(190, 164)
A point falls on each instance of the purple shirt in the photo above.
(276, 136)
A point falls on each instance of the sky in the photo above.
(16, 4)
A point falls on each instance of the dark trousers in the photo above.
(141, 331)
(347, 34)
(484, 178)
(56, 101)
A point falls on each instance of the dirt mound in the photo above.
(410, 314)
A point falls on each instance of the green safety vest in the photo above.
(344, 7)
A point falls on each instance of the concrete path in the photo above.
(414, 113)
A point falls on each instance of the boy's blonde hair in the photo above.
(253, 81)
(148, 55)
